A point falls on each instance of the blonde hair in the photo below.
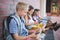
(21, 5)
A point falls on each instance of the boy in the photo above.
(22, 33)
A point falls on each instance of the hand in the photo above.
(37, 30)
(43, 31)
(33, 35)
(39, 16)
(47, 28)
(24, 38)
(35, 22)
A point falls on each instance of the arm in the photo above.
(26, 21)
(39, 16)
(16, 37)
(14, 31)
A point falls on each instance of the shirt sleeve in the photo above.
(13, 27)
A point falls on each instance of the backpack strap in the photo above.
(17, 19)
(5, 28)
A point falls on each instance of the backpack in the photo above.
(7, 35)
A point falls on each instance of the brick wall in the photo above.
(5, 10)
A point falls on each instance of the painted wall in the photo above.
(43, 8)
(34, 3)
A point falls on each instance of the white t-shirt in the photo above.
(31, 19)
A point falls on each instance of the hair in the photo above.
(30, 8)
(21, 5)
(35, 10)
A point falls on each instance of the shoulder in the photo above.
(12, 21)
